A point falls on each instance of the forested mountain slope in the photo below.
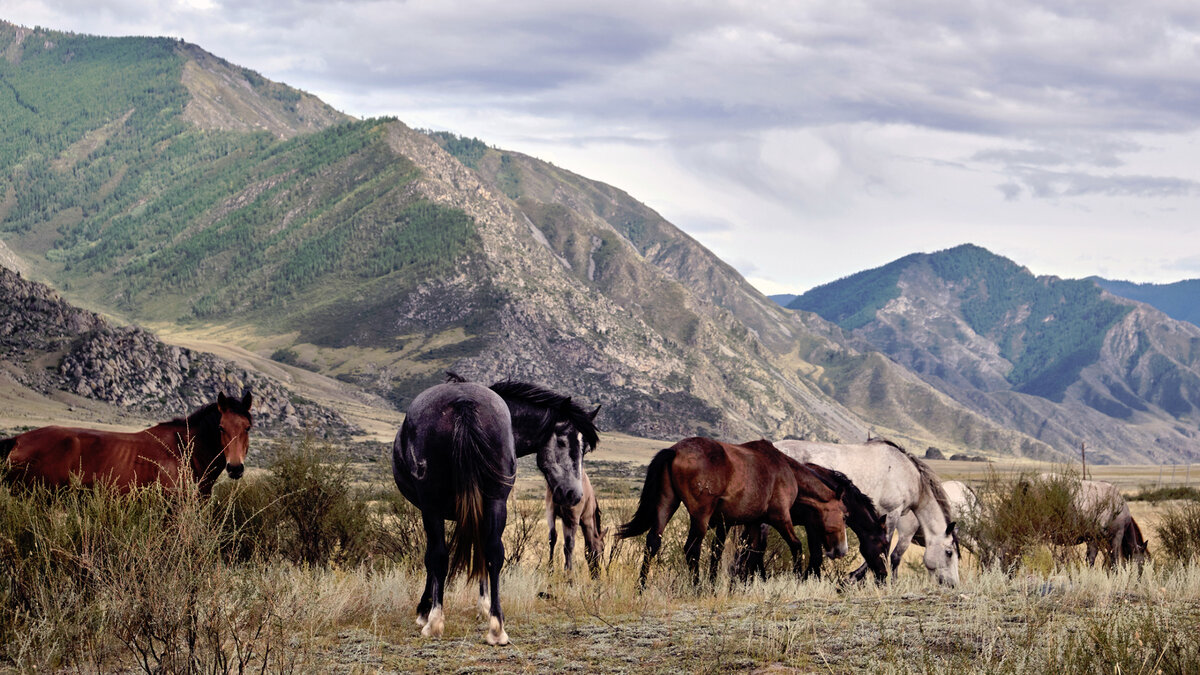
(1061, 360)
(157, 182)
(1179, 300)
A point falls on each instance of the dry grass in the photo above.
(359, 619)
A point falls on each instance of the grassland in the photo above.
(358, 617)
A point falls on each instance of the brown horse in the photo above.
(216, 436)
(725, 484)
(586, 516)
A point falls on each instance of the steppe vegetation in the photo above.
(315, 564)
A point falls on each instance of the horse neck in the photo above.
(178, 435)
(929, 512)
(528, 427)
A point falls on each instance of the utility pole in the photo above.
(1083, 457)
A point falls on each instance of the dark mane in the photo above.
(836, 480)
(533, 396)
(928, 477)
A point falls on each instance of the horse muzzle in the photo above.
(235, 470)
(568, 497)
(837, 551)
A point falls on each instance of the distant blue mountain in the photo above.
(1180, 300)
(783, 299)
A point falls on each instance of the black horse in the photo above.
(455, 459)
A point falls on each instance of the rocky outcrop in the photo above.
(131, 369)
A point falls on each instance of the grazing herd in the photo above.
(454, 457)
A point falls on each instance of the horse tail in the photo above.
(6, 447)
(472, 467)
(647, 509)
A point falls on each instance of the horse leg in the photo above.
(815, 552)
(570, 526)
(691, 547)
(426, 601)
(497, 518)
(905, 529)
(593, 545)
(1092, 550)
(720, 530)
(785, 528)
(666, 509)
(550, 522)
(751, 556)
(437, 563)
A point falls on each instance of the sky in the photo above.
(800, 141)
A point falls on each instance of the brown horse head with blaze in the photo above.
(235, 431)
(832, 514)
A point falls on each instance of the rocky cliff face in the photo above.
(57, 346)
(1056, 359)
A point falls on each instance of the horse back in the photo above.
(52, 455)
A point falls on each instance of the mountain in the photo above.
(1180, 300)
(1060, 360)
(153, 181)
(782, 299)
(49, 348)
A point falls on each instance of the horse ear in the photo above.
(950, 528)
(592, 415)
(247, 399)
(222, 402)
(882, 520)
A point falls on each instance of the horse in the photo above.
(898, 483)
(1117, 532)
(586, 516)
(725, 484)
(964, 506)
(214, 438)
(862, 518)
(454, 458)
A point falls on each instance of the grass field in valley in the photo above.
(357, 617)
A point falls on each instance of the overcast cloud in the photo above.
(800, 141)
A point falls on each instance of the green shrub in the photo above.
(1163, 494)
(1178, 532)
(1018, 514)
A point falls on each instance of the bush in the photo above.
(305, 511)
(1179, 532)
(1015, 515)
(1163, 494)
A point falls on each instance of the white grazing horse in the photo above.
(1102, 502)
(899, 484)
(964, 507)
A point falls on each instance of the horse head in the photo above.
(941, 556)
(235, 431)
(561, 458)
(832, 514)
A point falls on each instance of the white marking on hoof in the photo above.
(485, 607)
(422, 619)
(496, 635)
(437, 623)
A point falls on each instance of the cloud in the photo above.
(1058, 184)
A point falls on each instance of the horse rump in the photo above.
(647, 509)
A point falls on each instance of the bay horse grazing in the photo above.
(214, 438)
(898, 483)
(725, 484)
(454, 457)
(583, 516)
(863, 519)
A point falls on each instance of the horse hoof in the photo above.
(496, 635)
(437, 623)
(422, 619)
